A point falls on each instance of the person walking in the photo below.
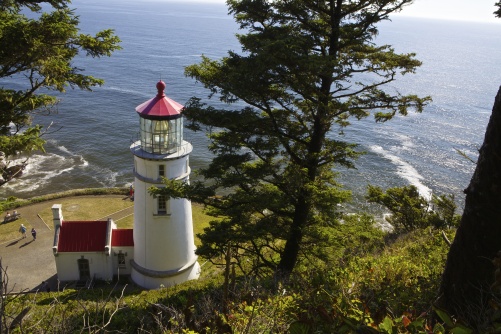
(34, 233)
(22, 229)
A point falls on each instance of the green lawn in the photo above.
(10, 231)
(87, 208)
(92, 208)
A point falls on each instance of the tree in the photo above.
(472, 272)
(469, 272)
(443, 212)
(307, 67)
(38, 52)
(410, 210)
(407, 206)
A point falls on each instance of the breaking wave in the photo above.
(404, 170)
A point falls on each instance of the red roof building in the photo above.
(122, 238)
(88, 250)
(82, 236)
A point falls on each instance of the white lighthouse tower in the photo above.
(164, 248)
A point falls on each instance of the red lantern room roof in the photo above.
(160, 107)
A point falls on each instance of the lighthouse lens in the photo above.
(161, 136)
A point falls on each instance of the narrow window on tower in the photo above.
(162, 205)
(161, 171)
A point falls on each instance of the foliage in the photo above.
(356, 235)
(410, 211)
(443, 212)
(385, 292)
(306, 69)
(37, 48)
(405, 277)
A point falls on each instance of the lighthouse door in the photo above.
(83, 268)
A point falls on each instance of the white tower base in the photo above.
(151, 279)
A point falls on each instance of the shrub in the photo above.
(410, 211)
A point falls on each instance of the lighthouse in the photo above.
(164, 247)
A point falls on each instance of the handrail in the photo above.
(178, 151)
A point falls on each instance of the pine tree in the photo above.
(469, 278)
(472, 275)
(37, 50)
(306, 69)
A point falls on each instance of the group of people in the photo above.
(22, 229)
(9, 217)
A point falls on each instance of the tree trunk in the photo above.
(469, 272)
(292, 246)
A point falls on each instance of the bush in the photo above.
(410, 211)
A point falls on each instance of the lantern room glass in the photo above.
(161, 136)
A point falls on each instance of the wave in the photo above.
(106, 177)
(77, 156)
(64, 149)
(406, 141)
(40, 170)
(405, 171)
(125, 90)
(174, 57)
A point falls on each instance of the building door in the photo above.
(83, 268)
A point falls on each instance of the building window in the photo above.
(161, 170)
(162, 205)
(121, 260)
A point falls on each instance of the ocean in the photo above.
(88, 139)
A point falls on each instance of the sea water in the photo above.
(88, 139)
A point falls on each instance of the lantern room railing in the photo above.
(178, 150)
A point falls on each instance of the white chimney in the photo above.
(57, 214)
